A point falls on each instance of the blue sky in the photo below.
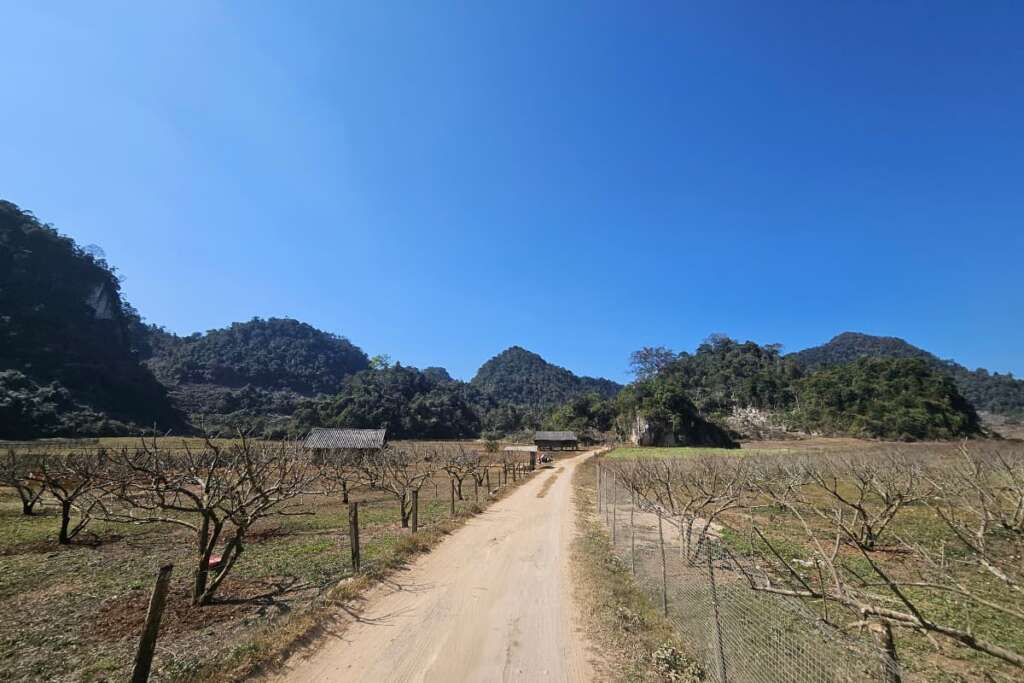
(441, 181)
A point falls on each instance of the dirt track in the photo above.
(491, 602)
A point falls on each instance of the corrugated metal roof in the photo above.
(554, 436)
(320, 437)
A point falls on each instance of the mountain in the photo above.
(69, 342)
(521, 378)
(907, 399)
(989, 392)
(250, 373)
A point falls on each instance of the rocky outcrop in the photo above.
(692, 430)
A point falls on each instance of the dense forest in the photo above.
(894, 398)
(519, 377)
(77, 360)
(987, 391)
(70, 343)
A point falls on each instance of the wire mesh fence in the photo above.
(736, 633)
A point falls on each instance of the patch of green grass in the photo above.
(680, 452)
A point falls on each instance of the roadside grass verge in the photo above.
(640, 643)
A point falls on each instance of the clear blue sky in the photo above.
(440, 181)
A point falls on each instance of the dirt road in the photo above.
(491, 602)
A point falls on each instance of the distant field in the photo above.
(815, 445)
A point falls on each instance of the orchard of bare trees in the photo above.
(922, 550)
(219, 492)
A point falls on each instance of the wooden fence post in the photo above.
(487, 474)
(533, 461)
(147, 643)
(476, 488)
(415, 510)
(453, 497)
(599, 488)
(664, 570)
(353, 533)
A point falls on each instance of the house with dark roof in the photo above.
(550, 441)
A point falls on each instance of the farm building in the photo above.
(323, 441)
(529, 452)
(549, 441)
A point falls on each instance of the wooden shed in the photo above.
(550, 441)
(340, 442)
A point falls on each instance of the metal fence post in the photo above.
(147, 642)
(664, 570)
(615, 503)
(353, 533)
(415, 510)
(719, 644)
(632, 532)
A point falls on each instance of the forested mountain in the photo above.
(410, 403)
(273, 354)
(522, 378)
(895, 398)
(987, 391)
(68, 341)
(755, 390)
(724, 374)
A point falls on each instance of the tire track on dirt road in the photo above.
(493, 601)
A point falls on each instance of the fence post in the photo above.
(719, 645)
(599, 487)
(533, 462)
(147, 643)
(615, 503)
(632, 532)
(883, 635)
(476, 488)
(453, 497)
(353, 533)
(415, 510)
(487, 473)
(664, 570)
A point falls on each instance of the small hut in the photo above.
(340, 443)
(550, 441)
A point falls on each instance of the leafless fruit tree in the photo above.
(15, 470)
(215, 491)
(75, 481)
(398, 470)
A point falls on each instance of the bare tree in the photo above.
(459, 464)
(215, 492)
(74, 480)
(878, 592)
(399, 471)
(16, 468)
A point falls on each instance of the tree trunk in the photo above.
(206, 543)
(27, 505)
(65, 520)
(405, 511)
(344, 492)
